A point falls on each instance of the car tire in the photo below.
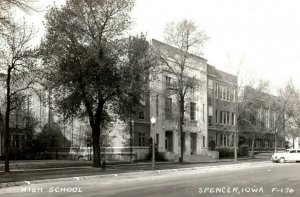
(281, 160)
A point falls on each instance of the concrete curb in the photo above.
(150, 172)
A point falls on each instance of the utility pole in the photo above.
(72, 133)
(153, 121)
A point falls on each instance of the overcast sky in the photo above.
(262, 34)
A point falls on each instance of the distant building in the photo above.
(293, 141)
(261, 117)
(33, 115)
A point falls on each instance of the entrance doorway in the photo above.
(193, 143)
(169, 141)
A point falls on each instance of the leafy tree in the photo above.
(86, 60)
(187, 38)
(135, 95)
(50, 139)
(18, 60)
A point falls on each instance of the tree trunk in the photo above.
(130, 138)
(96, 146)
(235, 142)
(275, 144)
(7, 140)
(181, 119)
(252, 145)
(95, 123)
(7, 117)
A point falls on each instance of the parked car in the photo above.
(288, 155)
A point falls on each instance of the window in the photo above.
(275, 121)
(216, 90)
(221, 117)
(142, 139)
(203, 112)
(220, 92)
(266, 144)
(168, 108)
(257, 143)
(210, 115)
(142, 115)
(30, 101)
(169, 141)
(234, 119)
(168, 80)
(193, 111)
(210, 120)
(259, 117)
(210, 84)
(157, 106)
(224, 139)
(271, 120)
(233, 95)
(209, 97)
(227, 119)
(203, 141)
(228, 140)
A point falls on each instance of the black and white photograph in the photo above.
(149, 98)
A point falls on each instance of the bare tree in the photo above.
(239, 88)
(293, 133)
(6, 9)
(251, 101)
(292, 113)
(18, 61)
(186, 37)
(284, 106)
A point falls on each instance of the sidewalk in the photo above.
(18, 165)
(67, 169)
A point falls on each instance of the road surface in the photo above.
(248, 179)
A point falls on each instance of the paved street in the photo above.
(244, 179)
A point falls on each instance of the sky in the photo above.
(256, 39)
